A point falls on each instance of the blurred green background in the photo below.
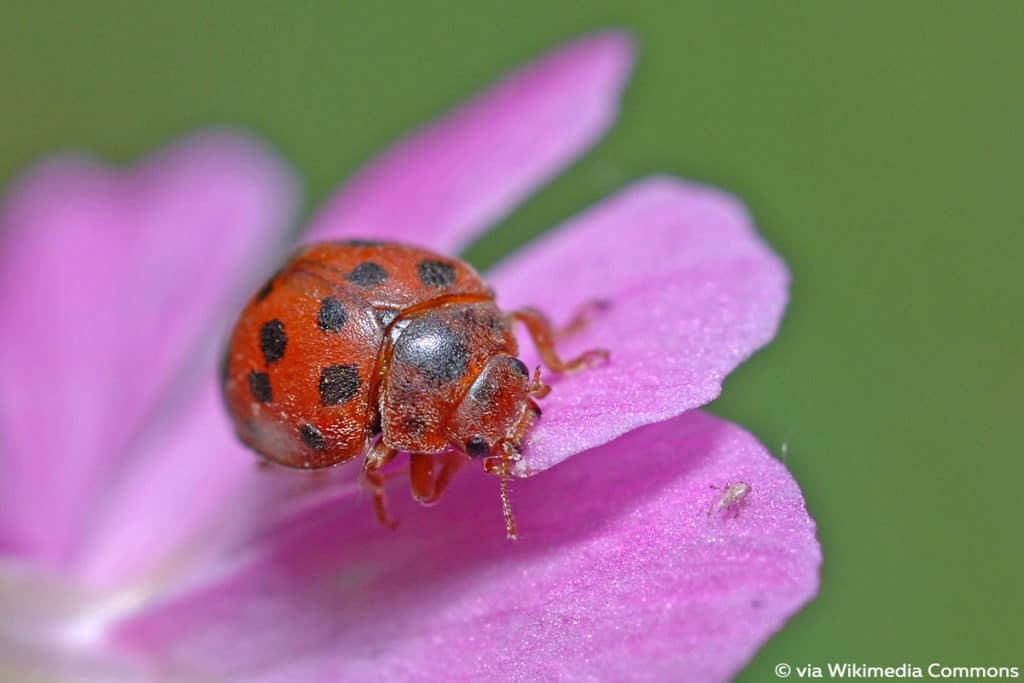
(879, 146)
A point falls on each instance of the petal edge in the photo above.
(113, 277)
(693, 292)
(444, 184)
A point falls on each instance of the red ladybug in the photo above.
(351, 340)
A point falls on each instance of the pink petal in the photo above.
(629, 577)
(154, 524)
(447, 182)
(110, 283)
(152, 515)
(693, 291)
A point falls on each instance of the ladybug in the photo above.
(379, 348)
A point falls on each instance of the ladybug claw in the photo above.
(536, 387)
(381, 508)
(593, 358)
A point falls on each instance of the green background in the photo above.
(879, 146)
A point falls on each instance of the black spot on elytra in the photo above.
(332, 315)
(259, 386)
(433, 347)
(436, 273)
(273, 340)
(338, 383)
(312, 437)
(386, 316)
(367, 274)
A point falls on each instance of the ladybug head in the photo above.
(497, 411)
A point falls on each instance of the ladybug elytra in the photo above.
(379, 348)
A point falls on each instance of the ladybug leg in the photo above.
(544, 335)
(426, 488)
(372, 479)
(584, 314)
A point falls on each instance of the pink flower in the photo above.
(139, 540)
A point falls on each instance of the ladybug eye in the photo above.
(520, 367)
(477, 447)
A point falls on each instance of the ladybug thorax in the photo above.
(445, 367)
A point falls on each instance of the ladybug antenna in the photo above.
(536, 387)
(511, 455)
